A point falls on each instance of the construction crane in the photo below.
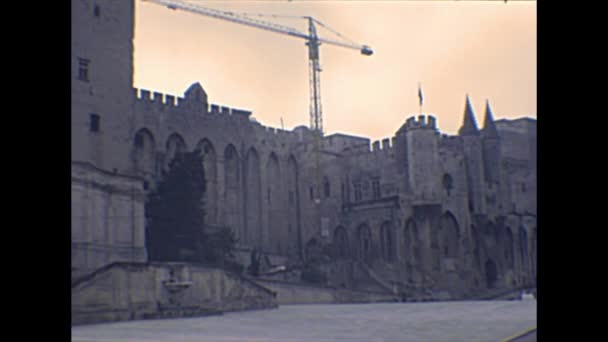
(313, 41)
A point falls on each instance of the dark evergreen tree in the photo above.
(175, 211)
(175, 229)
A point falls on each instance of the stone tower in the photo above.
(107, 204)
(473, 160)
(421, 140)
(490, 142)
(102, 80)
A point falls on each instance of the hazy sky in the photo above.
(484, 48)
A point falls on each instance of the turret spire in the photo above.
(469, 126)
(489, 128)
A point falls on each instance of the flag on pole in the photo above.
(420, 94)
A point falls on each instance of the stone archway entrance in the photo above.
(491, 273)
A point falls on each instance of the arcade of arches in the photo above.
(490, 249)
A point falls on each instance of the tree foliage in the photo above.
(175, 226)
(219, 246)
(175, 211)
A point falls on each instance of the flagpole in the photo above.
(420, 97)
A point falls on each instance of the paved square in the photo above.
(482, 321)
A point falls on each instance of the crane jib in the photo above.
(264, 25)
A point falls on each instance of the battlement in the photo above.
(382, 146)
(421, 122)
(172, 101)
(160, 99)
(450, 141)
(279, 133)
(223, 110)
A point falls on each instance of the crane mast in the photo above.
(316, 118)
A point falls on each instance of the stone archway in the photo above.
(144, 154)
(312, 249)
(449, 236)
(491, 273)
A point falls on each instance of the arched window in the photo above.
(175, 145)
(144, 153)
(326, 187)
(312, 249)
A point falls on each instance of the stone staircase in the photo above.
(504, 294)
(383, 284)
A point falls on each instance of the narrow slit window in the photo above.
(83, 69)
(94, 121)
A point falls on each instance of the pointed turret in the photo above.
(195, 98)
(196, 92)
(489, 128)
(469, 126)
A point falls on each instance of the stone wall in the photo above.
(107, 218)
(128, 291)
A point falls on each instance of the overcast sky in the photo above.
(486, 49)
